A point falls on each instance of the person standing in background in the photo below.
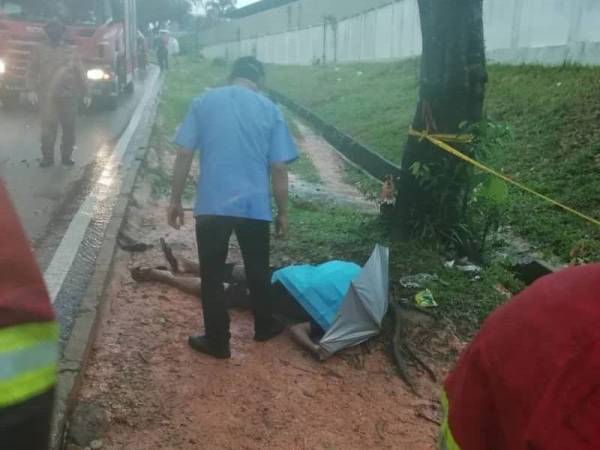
(162, 50)
(28, 340)
(243, 141)
(57, 82)
(174, 50)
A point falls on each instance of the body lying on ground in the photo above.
(305, 328)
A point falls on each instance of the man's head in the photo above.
(55, 29)
(248, 68)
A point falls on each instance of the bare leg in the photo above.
(301, 334)
(181, 264)
(187, 265)
(189, 285)
(193, 267)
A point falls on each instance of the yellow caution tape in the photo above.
(439, 140)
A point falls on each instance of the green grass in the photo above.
(368, 186)
(373, 102)
(554, 113)
(183, 82)
(306, 169)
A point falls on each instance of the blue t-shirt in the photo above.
(238, 133)
(320, 290)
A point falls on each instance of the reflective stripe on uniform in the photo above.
(447, 441)
(28, 361)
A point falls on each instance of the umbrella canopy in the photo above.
(364, 306)
(320, 290)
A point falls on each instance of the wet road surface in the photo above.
(38, 193)
(65, 211)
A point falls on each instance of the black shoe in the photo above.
(274, 329)
(202, 345)
(68, 162)
(46, 163)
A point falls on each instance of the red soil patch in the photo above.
(159, 394)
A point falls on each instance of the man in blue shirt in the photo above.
(244, 143)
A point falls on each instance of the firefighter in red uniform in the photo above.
(56, 80)
(530, 380)
(28, 341)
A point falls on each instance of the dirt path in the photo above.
(327, 161)
(330, 166)
(158, 394)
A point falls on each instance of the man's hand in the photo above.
(282, 225)
(175, 216)
(32, 97)
(87, 101)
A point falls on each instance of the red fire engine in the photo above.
(104, 33)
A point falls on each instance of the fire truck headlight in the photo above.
(2, 67)
(97, 75)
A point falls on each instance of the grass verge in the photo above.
(553, 112)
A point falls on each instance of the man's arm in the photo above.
(279, 180)
(183, 164)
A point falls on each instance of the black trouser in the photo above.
(163, 58)
(27, 426)
(55, 111)
(213, 234)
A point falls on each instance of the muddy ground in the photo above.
(158, 394)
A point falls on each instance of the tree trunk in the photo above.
(432, 193)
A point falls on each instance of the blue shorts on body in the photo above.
(239, 134)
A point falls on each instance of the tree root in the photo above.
(399, 359)
(402, 352)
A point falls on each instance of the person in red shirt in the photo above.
(28, 340)
(530, 380)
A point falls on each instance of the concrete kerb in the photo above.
(79, 345)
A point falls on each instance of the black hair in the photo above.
(247, 67)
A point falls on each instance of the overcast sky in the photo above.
(241, 3)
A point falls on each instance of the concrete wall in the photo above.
(296, 15)
(517, 31)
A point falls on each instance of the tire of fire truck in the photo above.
(111, 101)
(10, 100)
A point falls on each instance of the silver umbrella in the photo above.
(363, 308)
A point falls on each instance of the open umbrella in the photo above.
(344, 300)
(364, 306)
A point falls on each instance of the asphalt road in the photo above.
(43, 196)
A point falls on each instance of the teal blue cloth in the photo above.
(320, 290)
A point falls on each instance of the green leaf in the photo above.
(495, 190)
